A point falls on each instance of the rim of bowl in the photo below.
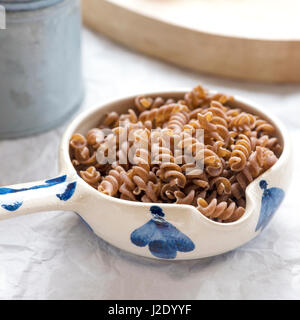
(67, 166)
(28, 5)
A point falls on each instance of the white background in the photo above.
(52, 255)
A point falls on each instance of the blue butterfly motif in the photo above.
(163, 239)
(270, 202)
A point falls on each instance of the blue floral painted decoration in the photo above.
(163, 239)
(270, 202)
(15, 204)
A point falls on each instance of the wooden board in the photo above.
(244, 39)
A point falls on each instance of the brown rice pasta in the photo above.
(153, 151)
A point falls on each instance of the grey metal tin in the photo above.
(40, 65)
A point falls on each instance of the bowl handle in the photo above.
(49, 195)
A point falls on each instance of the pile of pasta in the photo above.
(237, 148)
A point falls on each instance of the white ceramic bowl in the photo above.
(163, 231)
